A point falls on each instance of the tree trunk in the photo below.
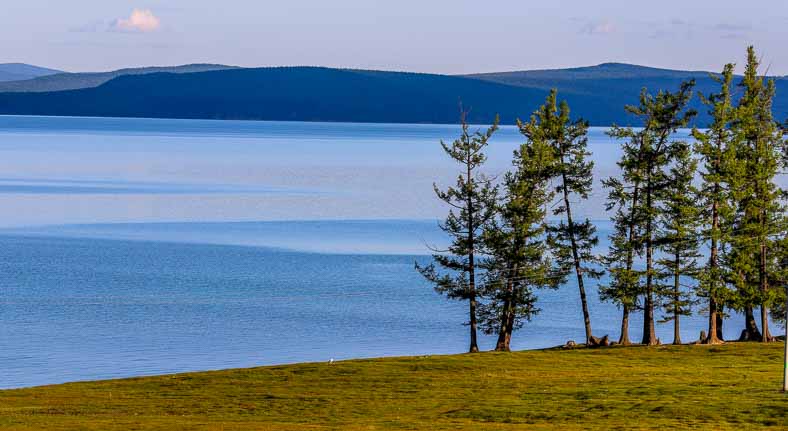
(624, 339)
(501, 344)
(715, 330)
(785, 358)
(649, 334)
(474, 347)
(720, 321)
(764, 285)
(676, 298)
(766, 336)
(751, 332)
(576, 258)
(630, 262)
(504, 333)
(509, 330)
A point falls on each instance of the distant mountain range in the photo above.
(59, 81)
(21, 71)
(596, 93)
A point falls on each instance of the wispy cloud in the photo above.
(597, 27)
(140, 21)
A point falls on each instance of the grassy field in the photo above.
(734, 386)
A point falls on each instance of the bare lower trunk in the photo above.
(504, 332)
(676, 297)
(714, 330)
(766, 336)
(624, 339)
(751, 332)
(649, 334)
(764, 285)
(509, 330)
(720, 321)
(785, 358)
(715, 319)
(474, 347)
(583, 300)
(576, 259)
(500, 345)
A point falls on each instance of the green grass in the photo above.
(735, 386)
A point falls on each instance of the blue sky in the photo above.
(441, 36)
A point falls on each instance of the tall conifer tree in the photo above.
(472, 204)
(518, 262)
(712, 145)
(570, 241)
(756, 197)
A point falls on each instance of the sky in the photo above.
(436, 36)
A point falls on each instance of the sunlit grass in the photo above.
(735, 386)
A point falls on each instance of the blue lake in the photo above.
(132, 247)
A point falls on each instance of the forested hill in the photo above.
(596, 93)
(616, 84)
(58, 81)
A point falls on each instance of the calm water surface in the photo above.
(133, 247)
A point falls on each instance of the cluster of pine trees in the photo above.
(698, 225)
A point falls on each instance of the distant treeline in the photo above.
(324, 94)
(671, 200)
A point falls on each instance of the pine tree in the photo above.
(679, 237)
(712, 145)
(517, 262)
(472, 204)
(756, 197)
(625, 241)
(571, 242)
(661, 115)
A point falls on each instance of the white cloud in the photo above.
(140, 21)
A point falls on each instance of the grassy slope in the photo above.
(723, 387)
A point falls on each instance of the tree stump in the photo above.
(599, 342)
